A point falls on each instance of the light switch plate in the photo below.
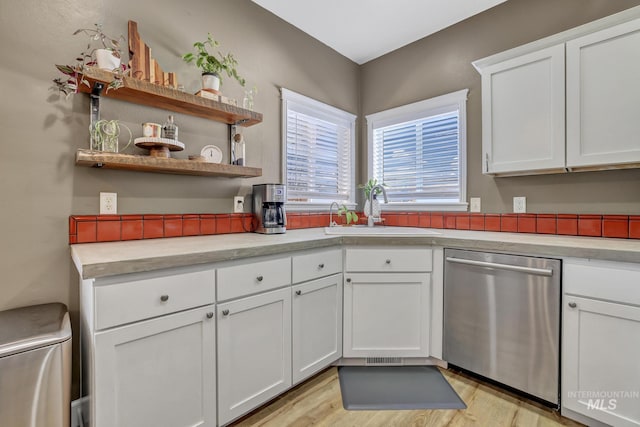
(519, 204)
(475, 204)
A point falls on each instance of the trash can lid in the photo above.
(27, 328)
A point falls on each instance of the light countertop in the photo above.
(95, 260)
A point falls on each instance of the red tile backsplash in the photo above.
(526, 223)
(590, 225)
(108, 228)
(492, 222)
(568, 224)
(615, 226)
(546, 224)
(463, 222)
(509, 223)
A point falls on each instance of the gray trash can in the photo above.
(35, 366)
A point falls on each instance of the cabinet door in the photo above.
(316, 325)
(603, 90)
(158, 372)
(601, 354)
(254, 352)
(523, 113)
(386, 314)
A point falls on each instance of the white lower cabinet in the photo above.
(158, 372)
(386, 314)
(601, 341)
(316, 325)
(254, 352)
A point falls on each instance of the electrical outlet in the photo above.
(108, 203)
(475, 204)
(238, 204)
(519, 204)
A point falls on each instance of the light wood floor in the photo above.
(318, 402)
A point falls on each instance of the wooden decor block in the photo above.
(143, 65)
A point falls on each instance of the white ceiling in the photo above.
(363, 30)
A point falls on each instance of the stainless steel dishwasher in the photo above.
(502, 319)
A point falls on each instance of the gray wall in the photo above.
(441, 64)
(39, 182)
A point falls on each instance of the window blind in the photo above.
(319, 159)
(419, 160)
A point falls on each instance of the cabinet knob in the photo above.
(298, 292)
(210, 315)
(349, 280)
(259, 278)
(388, 261)
(321, 265)
(164, 298)
(573, 305)
(225, 312)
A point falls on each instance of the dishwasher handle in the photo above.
(529, 270)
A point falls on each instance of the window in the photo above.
(319, 152)
(419, 152)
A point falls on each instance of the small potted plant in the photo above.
(106, 56)
(105, 135)
(212, 65)
(349, 216)
(372, 182)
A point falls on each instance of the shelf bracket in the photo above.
(94, 98)
(233, 129)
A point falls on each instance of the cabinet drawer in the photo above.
(388, 260)
(316, 264)
(253, 277)
(607, 280)
(147, 297)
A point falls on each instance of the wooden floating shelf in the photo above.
(167, 98)
(131, 162)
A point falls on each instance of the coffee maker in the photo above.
(268, 208)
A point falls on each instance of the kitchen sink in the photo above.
(363, 230)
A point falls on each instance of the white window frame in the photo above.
(427, 108)
(326, 112)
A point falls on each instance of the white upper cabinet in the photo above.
(523, 121)
(591, 72)
(603, 97)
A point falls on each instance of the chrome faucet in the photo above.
(332, 223)
(371, 220)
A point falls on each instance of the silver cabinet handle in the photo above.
(528, 270)
(388, 261)
(573, 305)
(349, 280)
(298, 292)
(210, 315)
(225, 312)
(321, 265)
(259, 278)
(164, 298)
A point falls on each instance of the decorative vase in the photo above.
(107, 60)
(105, 135)
(210, 81)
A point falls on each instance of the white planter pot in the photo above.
(376, 208)
(211, 81)
(106, 60)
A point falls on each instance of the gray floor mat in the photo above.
(396, 387)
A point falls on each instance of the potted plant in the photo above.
(105, 135)
(350, 216)
(106, 56)
(211, 64)
(372, 182)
